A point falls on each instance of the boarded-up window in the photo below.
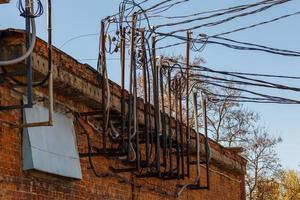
(50, 149)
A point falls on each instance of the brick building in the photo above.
(76, 90)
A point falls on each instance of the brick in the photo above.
(72, 78)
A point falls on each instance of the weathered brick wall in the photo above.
(15, 183)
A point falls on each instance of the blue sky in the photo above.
(72, 18)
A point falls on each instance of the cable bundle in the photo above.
(26, 12)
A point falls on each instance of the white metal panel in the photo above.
(50, 149)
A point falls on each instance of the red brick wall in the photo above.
(18, 184)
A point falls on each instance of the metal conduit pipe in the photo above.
(197, 178)
(207, 146)
(50, 81)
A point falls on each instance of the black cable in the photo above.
(264, 84)
(157, 5)
(253, 47)
(169, 46)
(257, 45)
(210, 24)
(156, 189)
(202, 68)
(201, 13)
(242, 99)
(166, 7)
(261, 83)
(116, 14)
(31, 14)
(265, 49)
(258, 24)
(229, 11)
(280, 99)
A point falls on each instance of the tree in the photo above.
(262, 159)
(230, 122)
(290, 185)
(284, 185)
(267, 189)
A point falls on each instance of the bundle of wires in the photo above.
(25, 12)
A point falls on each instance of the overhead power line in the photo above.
(218, 22)
(258, 24)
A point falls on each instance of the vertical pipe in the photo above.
(206, 140)
(135, 122)
(170, 124)
(176, 128)
(149, 111)
(132, 63)
(123, 30)
(163, 115)
(29, 9)
(197, 180)
(187, 103)
(29, 5)
(156, 106)
(145, 96)
(50, 83)
(102, 64)
(181, 129)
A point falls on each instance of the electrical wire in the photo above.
(77, 37)
(260, 46)
(209, 69)
(227, 11)
(26, 13)
(166, 7)
(261, 83)
(154, 188)
(199, 13)
(257, 24)
(265, 49)
(218, 22)
(238, 82)
(250, 46)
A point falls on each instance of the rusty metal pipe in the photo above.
(123, 32)
(102, 65)
(156, 106)
(163, 116)
(204, 105)
(181, 129)
(135, 122)
(131, 100)
(177, 129)
(170, 124)
(197, 179)
(142, 32)
(188, 34)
